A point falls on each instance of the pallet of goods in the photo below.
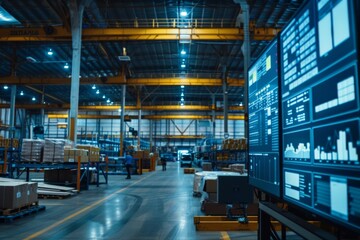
(18, 199)
(54, 150)
(31, 150)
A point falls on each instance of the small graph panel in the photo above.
(337, 144)
(297, 146)
(340, 95)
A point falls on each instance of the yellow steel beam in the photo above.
(139, 34)
(121, 80)
(219, 223)
(152, 117)
(177, 107)
(117, 107)
(232, 117)
(45, 94)
(61, 81)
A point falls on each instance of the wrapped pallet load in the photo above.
(54, 149)
(31, 150)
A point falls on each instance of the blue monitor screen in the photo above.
(321, 110)
(264, 169)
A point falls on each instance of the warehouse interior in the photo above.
(84, 83)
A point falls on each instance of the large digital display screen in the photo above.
(321, 110)
(264, 168)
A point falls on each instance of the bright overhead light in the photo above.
(66, 66)
(182, 86)
(183, 52)
(21, 93)
(182, 99)
(6, 87)
(104, 96)
(183, 65)
(33, 98)
(6, 18)
(182, 94)
(183, 13)
(93, 87)
(182, 104)
(50, 52)
(108, 100)
(97, 91)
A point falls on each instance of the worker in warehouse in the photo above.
(128, 163)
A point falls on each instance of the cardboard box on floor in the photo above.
(32, 195)
(13, 195)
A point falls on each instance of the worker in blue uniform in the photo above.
(128, 164)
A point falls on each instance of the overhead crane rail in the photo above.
(136, 33)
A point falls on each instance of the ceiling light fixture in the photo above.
(182, 104)
(182, 99)
(104, 96)
(97, 91)
(183, 52)
(183, 13)
(182, 86)
(50, 52)
(21, 93)
(182, 94)
(183, 65)
(93, 87)
(6, 87)
(108, 100)
(66, 66)
(33, 98)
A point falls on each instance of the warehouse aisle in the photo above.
(156, 205)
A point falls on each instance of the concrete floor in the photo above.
(155, 205)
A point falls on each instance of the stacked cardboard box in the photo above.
(54, 150)
(17, 194)
(9, 142)
(32, 150)
(93, 152)
(206, 166)
(210, 188)
(234, 144)
(72, 155)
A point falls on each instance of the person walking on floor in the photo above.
(128, 164)
(163, 163)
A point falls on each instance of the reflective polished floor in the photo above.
(155, 205)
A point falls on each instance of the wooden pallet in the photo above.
(48, 194)
(189, 170)
(22, 213)
(8, 212)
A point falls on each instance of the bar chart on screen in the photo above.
(336, 144)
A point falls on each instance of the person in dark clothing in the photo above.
(128, 164)
(163, 163)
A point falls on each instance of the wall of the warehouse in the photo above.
(90, 129)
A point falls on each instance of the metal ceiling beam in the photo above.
(137, 34)
(152, 117)
(180, 136)
(45, 94)
(234, 82)
(117, 107)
